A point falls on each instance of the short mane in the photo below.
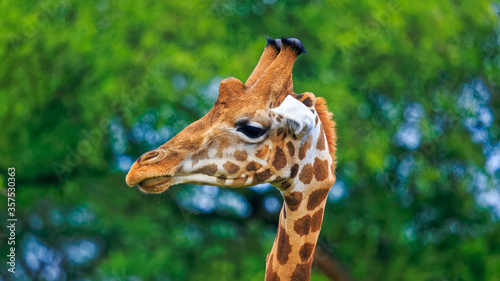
(328, 125)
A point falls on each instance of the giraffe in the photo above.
(259, 132)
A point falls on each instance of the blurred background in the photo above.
(88, 86)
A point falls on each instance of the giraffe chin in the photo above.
(155, 185)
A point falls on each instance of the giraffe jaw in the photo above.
(155, 185)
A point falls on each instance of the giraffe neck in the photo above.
(301, 216)
(292, 254)
(299, 225)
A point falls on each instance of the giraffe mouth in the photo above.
(155, 185)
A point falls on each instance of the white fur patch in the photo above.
(298, 117)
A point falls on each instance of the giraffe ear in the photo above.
(298, 117)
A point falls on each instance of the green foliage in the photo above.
(78, 77)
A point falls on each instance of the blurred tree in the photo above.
(86, 87)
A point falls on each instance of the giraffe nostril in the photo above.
(148, 156)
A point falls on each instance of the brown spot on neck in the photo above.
(303, 225)
(294, 170)
(320, 169)
(279, 159)
(304, 148)
(306, 174)
(317, 220)
(271, 275)
(284, 246)
(316, 198)
(291, 148)
(321, 145)
(302, 272)
(305, 251)
(293, 200)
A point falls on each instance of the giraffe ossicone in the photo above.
(259, 132)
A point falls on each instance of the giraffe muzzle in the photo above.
(149, 173)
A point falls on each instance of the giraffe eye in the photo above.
(252, 131)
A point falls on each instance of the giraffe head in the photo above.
(257, 132)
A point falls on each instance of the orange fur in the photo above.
(328, 125)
